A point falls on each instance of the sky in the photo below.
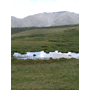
(23, 8)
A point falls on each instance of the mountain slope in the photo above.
(46, 19)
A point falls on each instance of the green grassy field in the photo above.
(21, 29)
(62, 74)
(40, 30)
(61, 40)
(45, 75)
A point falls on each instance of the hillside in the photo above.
(47, 39)
(46, 19)
(24, 31)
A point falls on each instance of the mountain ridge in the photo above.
(46, 19)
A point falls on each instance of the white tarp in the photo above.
(43, 55)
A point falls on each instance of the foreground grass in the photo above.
(45, 75)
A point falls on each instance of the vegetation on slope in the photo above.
(21, 29)
(65, 41)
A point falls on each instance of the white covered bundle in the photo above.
(43, 55)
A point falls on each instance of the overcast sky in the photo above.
(23, 8)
